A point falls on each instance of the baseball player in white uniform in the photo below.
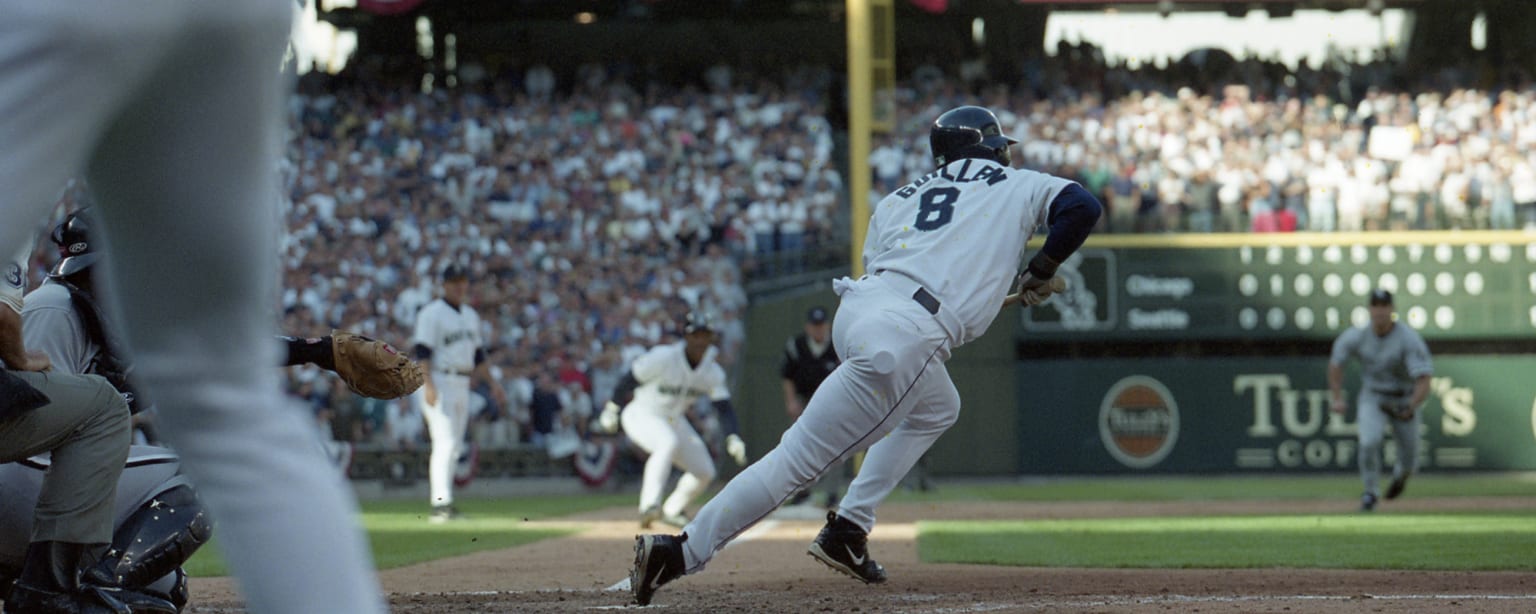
(172, 111)
(1394, 381)
(663, 383)
(941, 253)
(447, 343)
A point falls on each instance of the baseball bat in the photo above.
(1057, 284)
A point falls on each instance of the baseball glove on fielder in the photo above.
(1399, 410)
(372, 368)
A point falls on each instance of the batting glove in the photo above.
(608, 421)
(736, 448)
(1033, 290)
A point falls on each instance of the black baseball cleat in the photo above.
(658, 560)
(844, 546)
(1368, 502)
(1396, 489)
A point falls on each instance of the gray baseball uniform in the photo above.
(172, 110)
(894, 329)
(1389, 365)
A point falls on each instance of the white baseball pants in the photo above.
(172, 110)
(446, 421)
(891, 395)
(670, 440)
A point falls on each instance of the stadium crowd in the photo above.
(1349, 146)
(593, 211)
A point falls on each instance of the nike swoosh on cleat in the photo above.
(857, 560)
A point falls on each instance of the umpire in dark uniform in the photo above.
(808, 359)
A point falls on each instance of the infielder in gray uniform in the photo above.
(1394, 381)
(172, 111)
(941, 253)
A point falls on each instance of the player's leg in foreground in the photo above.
(888, 348)
(180, 108)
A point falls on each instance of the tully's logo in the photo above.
(1139, 421)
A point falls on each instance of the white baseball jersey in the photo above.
(453, 335)
(669, 386)
(987, 211)
(14, 281)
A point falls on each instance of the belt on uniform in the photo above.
(1390, 393)
(926, 300)
(458, 373)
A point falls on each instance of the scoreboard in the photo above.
(1448, 285)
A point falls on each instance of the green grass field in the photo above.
(1449, 541)
(400, 534)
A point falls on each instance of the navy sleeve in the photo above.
(1071, 217)
(625, 391)
(422, 352)
(727, 415)
(479, 356)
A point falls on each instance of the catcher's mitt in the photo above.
(1398, 409)
(372, 368)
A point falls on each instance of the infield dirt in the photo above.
(769, 571)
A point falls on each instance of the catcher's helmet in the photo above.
(968, 132)
(73, 237)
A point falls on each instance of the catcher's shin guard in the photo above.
(154, 542)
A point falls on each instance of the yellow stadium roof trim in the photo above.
(1311, 239)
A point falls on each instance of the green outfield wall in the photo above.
(1231, 330)
(1231, 415)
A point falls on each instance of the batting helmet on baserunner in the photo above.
(969, 132)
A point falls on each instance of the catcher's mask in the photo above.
(73, 238)
(969, 132)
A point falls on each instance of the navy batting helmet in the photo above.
(73, 237)
(969, 132)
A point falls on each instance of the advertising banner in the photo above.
(1229, 415)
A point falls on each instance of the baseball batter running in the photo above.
(1394, 381)
(655, 396)
(941, 253)
(448, 345)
